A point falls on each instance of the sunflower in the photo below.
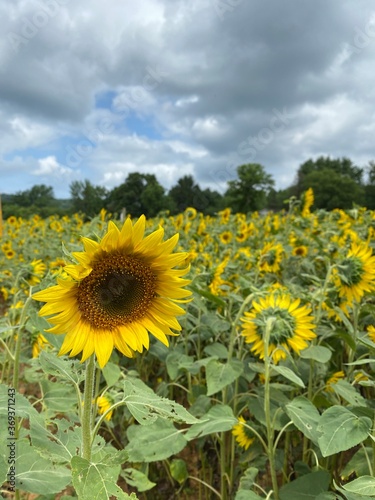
(104, 403)
(270, 257)
(242, 434)
(333, 379)
(292, 326)
(39, 343)
(36, 271)
(300, 251)
(122, 288)
(371, 332)
(356, 273)
(308, 201)
(226, 237)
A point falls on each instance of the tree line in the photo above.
(337, 183)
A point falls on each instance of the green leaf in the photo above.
(96, 481)
(176, 362)
(64, 368)
(317, 353)
(58, 397)
(179, 470)
(3, 468)
(219, 418)
(246, 482)
(364, 485)
(348, 392)
(146, 406)
(216, 349)
(289, 374)
(307, 486)
(36, 474)
(304, 416)
(341, 430)
(278, 415)
(247, 495)
(358, 463)
(363, 361)
(59, 445)
(157, 441)
(111, 373)
(137, 479)
(220, 375)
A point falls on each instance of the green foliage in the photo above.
(139, 194)
(341, 429)
(87, 198)
(249, 192)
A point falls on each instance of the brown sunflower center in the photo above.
(118, 290)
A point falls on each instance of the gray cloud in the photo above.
(224, 81)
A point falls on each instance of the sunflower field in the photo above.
(189, 357)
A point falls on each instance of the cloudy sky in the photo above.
(96, 90)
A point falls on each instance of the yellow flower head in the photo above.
(291, 326)
(226, 237)
(36, 272)
(300, 251)
(242, 434)
(270, 258)
(104, 403)
(39, 343)
(371, 332)
(307, 202)
(333, 379)
(356, 273)
(122, 288)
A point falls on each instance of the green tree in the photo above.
(139, 194)
(333, 190)
(370, 186)
(87, 198)
(249, 192)
(341, 166)
(39, 196)
(186, 193)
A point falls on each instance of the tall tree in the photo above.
(249, 192)
(186, 193)
(340, 166)
(333, 190)
(87, 198)
(39, 196)
(139, 194)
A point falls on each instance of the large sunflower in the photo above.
(122, 288)
(292, 326)
(356, 273)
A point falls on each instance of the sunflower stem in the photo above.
(87, 408)
(267, 407)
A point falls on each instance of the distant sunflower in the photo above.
(371, 332)
(104, 403)
(292, 326)
(226, 237)
(123, 287)
(242, 434)
(333, 379)
(270, 257)
(356, 273)
(36, 271)
(300, 251)
(38, 344)
(308, 201)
